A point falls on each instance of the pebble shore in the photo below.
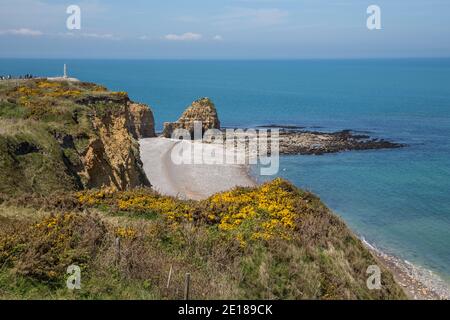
(417, 282)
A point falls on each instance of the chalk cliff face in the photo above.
(201, 110)
(61, 136)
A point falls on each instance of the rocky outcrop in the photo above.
(112, 158)
(318, 143)
(201, 110)
(303, 142)
(142, 123)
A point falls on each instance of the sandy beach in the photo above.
(188, 181)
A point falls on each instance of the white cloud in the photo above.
(100, 36)
(106, 36)
(188, 36)
(22, 32)
(218, 37)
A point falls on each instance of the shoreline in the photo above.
(187, 181)
(418, 283)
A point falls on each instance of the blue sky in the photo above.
(224, 29)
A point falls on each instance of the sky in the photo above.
(224, 29)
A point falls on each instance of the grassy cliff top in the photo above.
(46, 128)
(56, 102)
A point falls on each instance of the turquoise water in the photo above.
(397, 199)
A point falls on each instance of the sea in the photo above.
(397, 200)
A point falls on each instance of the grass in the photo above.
(31, 160)
(11, 111)
(320, 258)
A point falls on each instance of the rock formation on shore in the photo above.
(201, 110)
(142, 124)
(112, 158)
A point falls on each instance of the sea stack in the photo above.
(202, 110)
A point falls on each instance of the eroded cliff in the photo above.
(69, 136)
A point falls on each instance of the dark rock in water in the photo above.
(201, 110)
(318, 143)
(314, 142)
(361, 136)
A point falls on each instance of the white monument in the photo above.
(65, 77)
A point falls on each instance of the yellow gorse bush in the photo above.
(55, 89)
(48, 84)
(97, 197)
(141, 201)
(43, 250)
(272, 206)
(63, 93)
(47, 89)
(120, 93)
(269, 211)
(126, 233)
(52, 222)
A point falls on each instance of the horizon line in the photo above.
(229, 59)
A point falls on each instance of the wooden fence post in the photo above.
(117, 245)
(186, 286)
(169, 277)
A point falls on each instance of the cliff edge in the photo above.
(69, 136)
